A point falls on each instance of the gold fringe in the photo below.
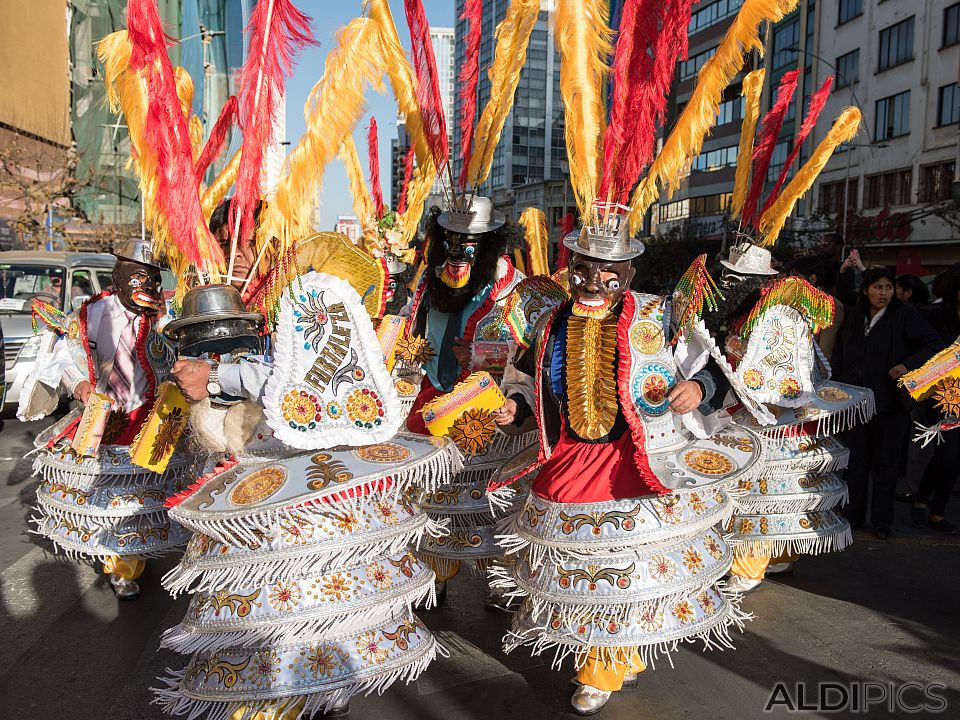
(534, 224)
(362, 201)
(844, 128)
(591, 375)
(511, 40)
(700, 114)
(583, 38)
(332, 110)
(752, 89)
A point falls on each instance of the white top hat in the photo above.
(480, 218)
(749, 259)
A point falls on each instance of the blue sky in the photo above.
(328, 16)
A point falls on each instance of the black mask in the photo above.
(597, 285)
(138, 286)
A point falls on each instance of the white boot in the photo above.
(741, 584)
(588, 700)
(780, 567)
(124, 589)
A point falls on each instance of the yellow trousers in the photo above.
(129, 567)
(609, 676)
(286, 710)
(754, 568)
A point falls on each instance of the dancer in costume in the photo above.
(766, 328)
(96, 500)
(459, 307)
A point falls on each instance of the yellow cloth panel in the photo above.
(751, 568)
(285, 710)
(129, 567)
(609, 677)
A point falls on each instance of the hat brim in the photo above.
(497, 220)
(731, 266)
(174, 326)
(635, 250)
(138, 262)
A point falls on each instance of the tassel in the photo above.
(511, 39)
(817, 101)
(815, 305)
(469, 77)
(700, 113)
(766, 142)
(218, 137)
(694, 290)
(843, 130)
(373, 158)
(428, 83)
(537, 239)
(752, 90)
(583, 40)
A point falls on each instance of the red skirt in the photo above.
(427, 393)
(579, 472)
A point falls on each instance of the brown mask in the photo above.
(138, 286)
(598, 285)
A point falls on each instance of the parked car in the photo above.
(62, 279)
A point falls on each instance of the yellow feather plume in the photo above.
(333, 108)
(700, 114)
(217, 191)
(400, 73)
(583, 39)
(417, 192)
(752, 89)
(537, 237)
(184, 89)
(844, 129)
(511, 39)
(362, 201)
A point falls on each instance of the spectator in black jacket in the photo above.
(941, 474)
(881, 339)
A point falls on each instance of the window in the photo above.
(777, 160)
(890, 188)
(831, 196)
(716, 159)
(786, 41)
(896, 45)
(105, 278)
(951, 25)
(893, 116)
(710, 204)
(712, 14)
(731, 110)
(848, 69)
(849, 9)
(676, 210)
(936, 181)
(689, 68)
(948, 108)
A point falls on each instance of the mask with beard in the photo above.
(138, 286)
(460, 265)
(598, 286)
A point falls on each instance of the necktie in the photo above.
(120, 381)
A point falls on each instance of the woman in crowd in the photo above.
(880, 340)
(941, 473)
(911, 290)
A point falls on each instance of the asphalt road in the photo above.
(880, 612)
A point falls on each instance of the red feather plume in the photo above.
(817, 101)
(428, 82)
(653, 35)
(218, 137)
(407, 175)
(278, 32)
(766, 141)
(469, 77)
(373, 157)
(567, 223)
(167, 134)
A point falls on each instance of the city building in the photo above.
(349, 226)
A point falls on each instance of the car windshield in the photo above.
(20, 284)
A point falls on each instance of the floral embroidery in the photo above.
(365, 408)
(265, 668)
(684, 612)
(323, 660)
(378, 575)
(650, 618)
(696, 503)
(706, 602)
(346, 522)
(301, 410)
(692, 560)
(662, 568)
(296, 531)
(284, 596)
(712, 547)
(370, 650)
(337, 587)
(745, 527)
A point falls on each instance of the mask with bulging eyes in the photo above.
(461, 251)
(138, 286)
(598, 286)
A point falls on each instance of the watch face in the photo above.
(213, 388)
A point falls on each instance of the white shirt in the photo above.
(106, 319)
(873, 321)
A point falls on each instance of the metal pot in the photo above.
(214, 320)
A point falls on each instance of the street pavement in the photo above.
(884, 612)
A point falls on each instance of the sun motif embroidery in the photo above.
(684, 612)
(414, 350)
(323, 660)
(708, 462)
(947, 397)
(405, 387)
(284, 596)
(696, 503)
(647, 337)
(346, 522)
(753, 378)
(296, 531)
(669, 510)
(832, 394)
(650, 618)
(265, 668)
(385, 511)
(365, 408)
(370, 650)
(692, 560)
(473, 431)
(387, 453)
(790, 388)
(337, 587)
(378, 576)
(301, 410)
(662, 568)
(258, 486)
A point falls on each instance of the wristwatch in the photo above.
(213, 382)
